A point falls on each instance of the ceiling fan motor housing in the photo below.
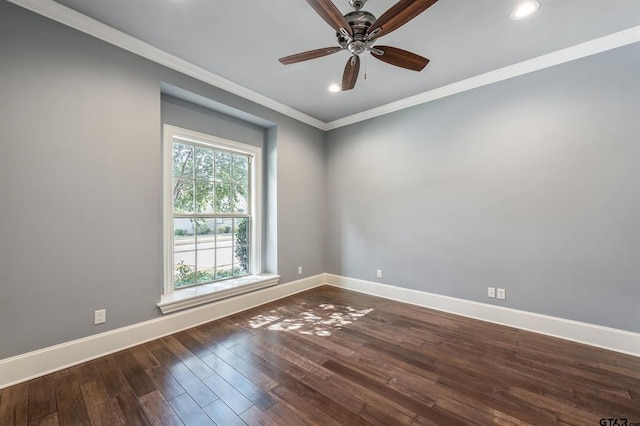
(360, 21)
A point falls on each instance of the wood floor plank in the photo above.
(415, 406)
(14, 405)
(144, 357)
(332, 356)
(200, 392)
(266, 360)
(71, 406)
(99, 406)
(255, 416)
(252, 392)
(158, 410)
(199, 368)
(192, 344)
(382, 415)
(129, 410)
(42, 398)
(283, 416)
(165, 382)
(221, 414)
(261, 344)
(228, 394)
(134, 372)
(306, 411)
(113, 379)
(349, 400)
(190, 412)
(49, 420)
(243, 367)
(292, 388)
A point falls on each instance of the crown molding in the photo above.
(76, 20)
(602, 44)
(80, 22)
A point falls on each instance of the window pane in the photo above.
(183, 233)
(240, 169)
(206, 233)
(184, 268)
(224, 258)
(223, 229)
(241, 231)
(225, 233)
(184, 255)
(204, 163)
(241, 247)
(223, 166)
(206, 265)
(204, 196)
(182, 160)
(240, 199)
(182, 196)
(223, 198)
(241, 261)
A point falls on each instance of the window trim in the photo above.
(256, 277)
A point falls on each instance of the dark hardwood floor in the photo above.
(334, 357)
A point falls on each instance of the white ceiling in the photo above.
(241, 40)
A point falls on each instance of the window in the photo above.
(212, 213)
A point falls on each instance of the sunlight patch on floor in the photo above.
(320, 321)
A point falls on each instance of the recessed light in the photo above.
(334, 88)
(526, 8)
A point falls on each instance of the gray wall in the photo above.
(531, 184)
(180, 113)
(81, 161)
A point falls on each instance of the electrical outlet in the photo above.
(100, 316)
(379, 273)
(491, 292)
(502, 294)
(299, 270)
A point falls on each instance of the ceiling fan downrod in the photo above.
(357, 4)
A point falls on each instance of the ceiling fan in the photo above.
(359, 30)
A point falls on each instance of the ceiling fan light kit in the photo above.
(358, 31)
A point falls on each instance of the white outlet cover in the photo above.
(502, 294)
(491, 292)
(299, 270)
(100, 316)
(379, 273)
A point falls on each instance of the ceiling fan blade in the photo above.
(330, 13)
(401, 58)
(310, 54)
(350, 75)
(398, 15)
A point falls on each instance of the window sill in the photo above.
(194, 296)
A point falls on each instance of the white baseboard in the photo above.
(603, 337)
(34, 364)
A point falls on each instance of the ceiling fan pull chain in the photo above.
(365, 67)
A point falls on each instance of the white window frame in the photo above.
(176, 299)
